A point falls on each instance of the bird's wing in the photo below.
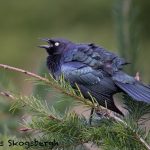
(132, 87)
(97, 83)
(95, 57)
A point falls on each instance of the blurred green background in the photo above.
(22, 23)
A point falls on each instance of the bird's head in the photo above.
(55, 45)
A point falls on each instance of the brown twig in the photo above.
(6, 94)
(25, 72)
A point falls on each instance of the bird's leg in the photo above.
(102, 112)
(91, 116)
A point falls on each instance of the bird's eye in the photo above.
(57, 44)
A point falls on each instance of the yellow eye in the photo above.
(57, 44)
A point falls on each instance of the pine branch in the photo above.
(138, 137)
(52, 82)
(37, 107)
(50, 123)
(77, 130)
(7, 67)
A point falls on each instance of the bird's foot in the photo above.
(100, 113)
(103, 113)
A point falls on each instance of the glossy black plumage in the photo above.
(95, 70)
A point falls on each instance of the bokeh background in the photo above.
(22, 23)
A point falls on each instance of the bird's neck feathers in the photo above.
(53, 63)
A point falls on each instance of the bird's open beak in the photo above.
(45, 46)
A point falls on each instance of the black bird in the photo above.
(95, 70)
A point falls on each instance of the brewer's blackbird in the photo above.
(95, 70)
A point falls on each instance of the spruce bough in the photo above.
(71, 130)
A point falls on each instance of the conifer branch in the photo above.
(7, 67)
(42, 110)
(138, 137)
(52, 82)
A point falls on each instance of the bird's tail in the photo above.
(137, 90)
